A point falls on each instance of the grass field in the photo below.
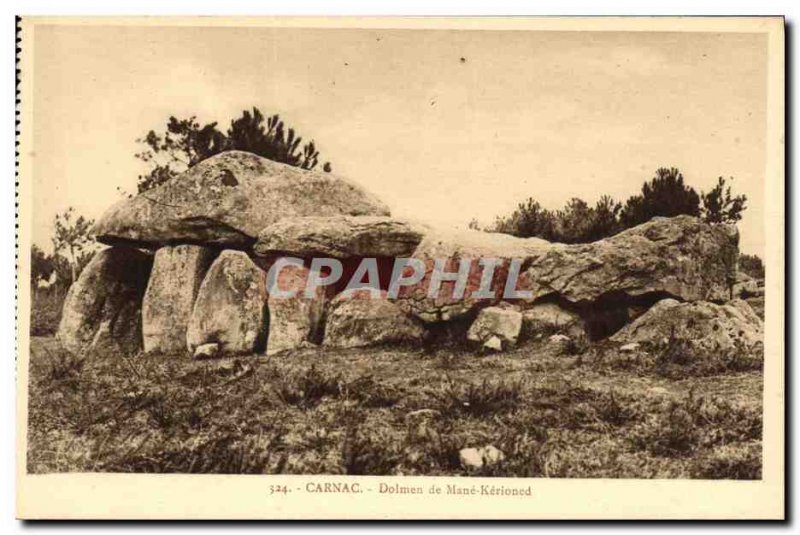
(395, 411)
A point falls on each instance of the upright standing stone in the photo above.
(103, 307)
(174, 282)
(297, 320)
(230, 309)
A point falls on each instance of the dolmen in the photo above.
(243, 255)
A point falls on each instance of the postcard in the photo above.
(400, 268)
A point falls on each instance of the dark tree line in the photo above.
(185, 142)
(666, 194)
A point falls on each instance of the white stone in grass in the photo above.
(558, 338)
(206, 351)
(479, 457)
(494, 344)
(629, 348)
(501, 323)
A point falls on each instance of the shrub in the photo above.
(365, 453)
(671, 433)
(695, 423)
(64, 366)
(739, 461)
(307, 388)
(478, 399)
(223, 450)
(610, 410)
(432, 445)
(371, 393)
(665, 195)
(719, 206)
(46, 307)
(751, 265)
(577, 222)
(576, 345)
(185, 142)
(528, 220)
(677, 359)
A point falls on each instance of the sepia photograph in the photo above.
(470, 257)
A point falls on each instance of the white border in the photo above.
(307, 7)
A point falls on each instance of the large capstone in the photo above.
(341, 237)
(226, 200)
(231, 307)
(448, 251)
(169, 300)
(679, 257)
(103, 307)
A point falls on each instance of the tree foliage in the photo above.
(752, 265)
(186, 142)
(42, 264)
(577, 222)
(72, 241)
(606, 218)
(666, 194)
(529, 219)
(720, 206)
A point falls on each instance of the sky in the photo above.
(542, 114)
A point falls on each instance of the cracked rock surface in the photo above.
(226, 200)
(679, 257)
(707, 328)
(230, 309)
(341, 237)
(103, 307)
